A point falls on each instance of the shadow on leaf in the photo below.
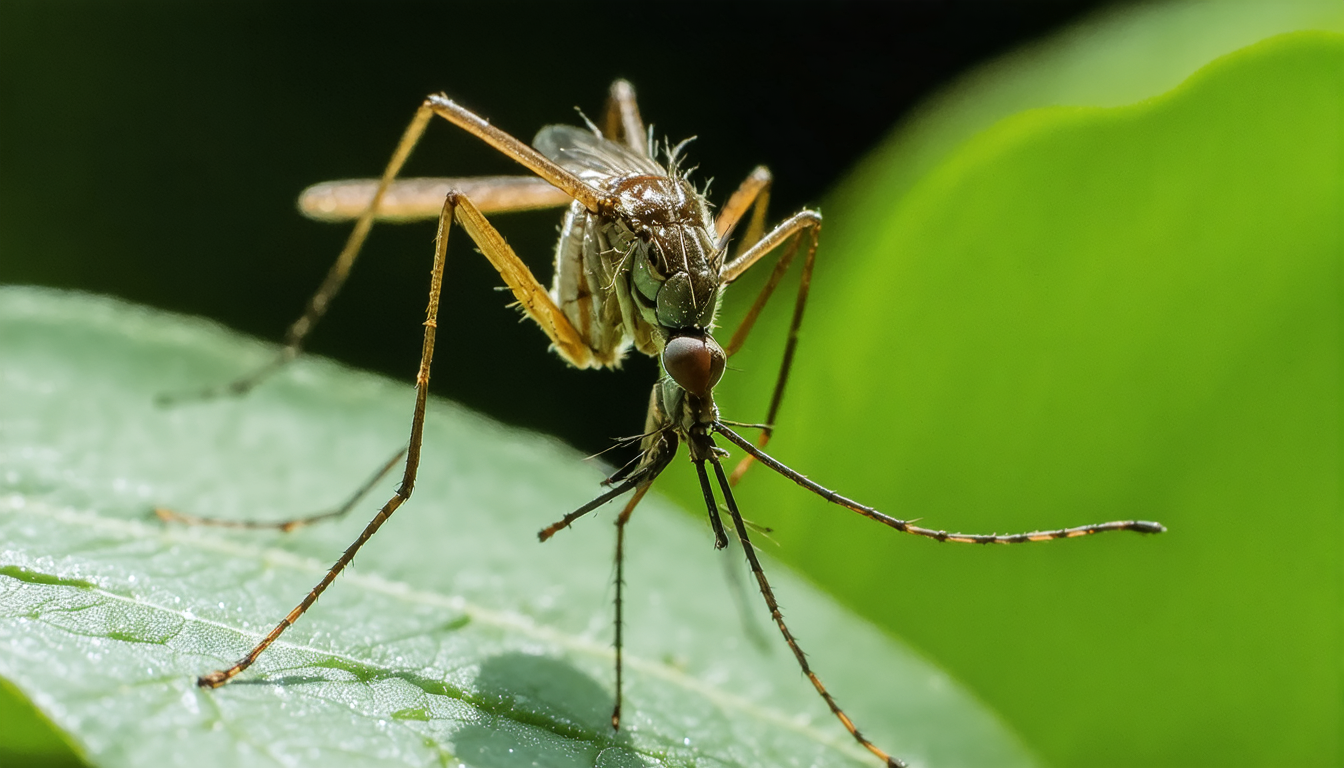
(545, 693)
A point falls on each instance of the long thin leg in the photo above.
(564, 522)
(806, 224)
(529, 158)
(1139, 526)
(621, 520)
(641, 481)
(403, 492)
(763, 296)
(169, 516)
(420, 198)
(715, 522)
(778, 616)
(754, 193)
(621, 121)
(535, 302)
(440, 105)
(657, 450)
(534, 299)
(331, 284)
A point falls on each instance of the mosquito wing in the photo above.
(594, 159)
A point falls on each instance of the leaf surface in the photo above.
(456, 637)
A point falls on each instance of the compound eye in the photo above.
(696, 363)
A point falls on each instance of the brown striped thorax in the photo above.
(675, 265)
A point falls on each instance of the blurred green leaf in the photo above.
(1112, 59)
(29, 738)
(1071, 315)
(456, 636)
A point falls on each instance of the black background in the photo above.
(154, 150)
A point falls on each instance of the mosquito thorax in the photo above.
(649, 201)
(675, 262)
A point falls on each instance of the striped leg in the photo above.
(791, 234)
(904, 526)
(169, 516)
(775, 613)
(535, 302)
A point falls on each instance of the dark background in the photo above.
(154, 150)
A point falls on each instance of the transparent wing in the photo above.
(593, 158)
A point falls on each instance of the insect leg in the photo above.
(534, 299)
(621, 121)
(525, 155)
(531, 295)
(403, 492)
(414, 199)
(905, 526)
(657, 448)
(806, 224)
(721, 541)
(440, 105)
(564, 522)
(778, 616)
(641, 481)
(753, 193)
(331, 284)
(535, 302)
(621, 520)
(169, 516)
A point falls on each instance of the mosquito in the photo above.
(641, 264)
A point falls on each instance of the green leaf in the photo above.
(1112, 59)
(28, 737)
(455, 637)
(1080, 314)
